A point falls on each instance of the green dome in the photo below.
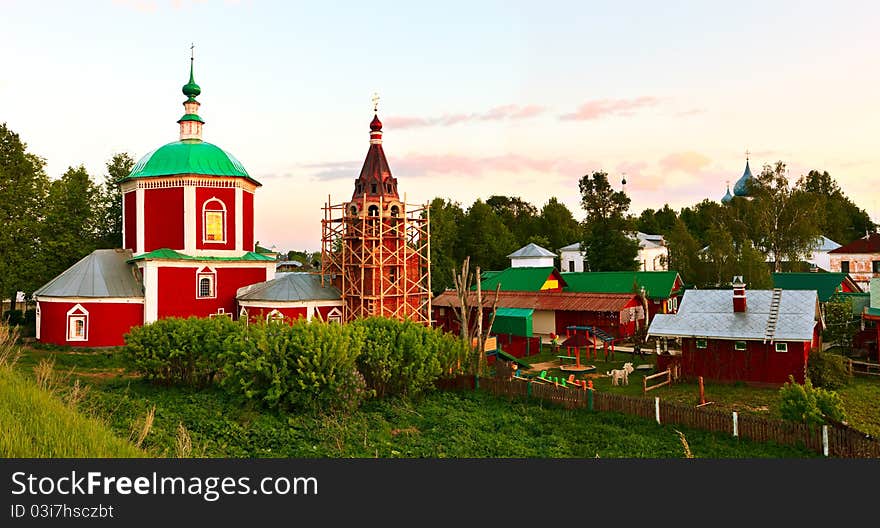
(188, 156)
(191, 90)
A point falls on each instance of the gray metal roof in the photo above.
(571, 247)
(531, 250)
(102, 273)
(291, 287)
(709, 313)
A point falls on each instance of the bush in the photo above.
(306, 365)
(406, 358)
(179, 351)
(828, 370)
(804, 403)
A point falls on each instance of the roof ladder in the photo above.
(773, 318)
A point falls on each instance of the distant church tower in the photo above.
(375, 249)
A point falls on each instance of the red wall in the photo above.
(107, 322)
(177, 290)
(163, 218)
(759, 363)
(259, 314)
(248, 219)
(130, 220)
(227, 196)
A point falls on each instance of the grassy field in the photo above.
(36, 423)
(442, 424)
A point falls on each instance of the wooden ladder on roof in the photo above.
(773, 318)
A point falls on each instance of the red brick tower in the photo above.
(375, 248)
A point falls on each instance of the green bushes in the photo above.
(174, 350)
(804, 403)
(828, 370)
(299, 365)
(406, 358)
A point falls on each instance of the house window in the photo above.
(388, 187)
(395, 211)
(844, 266)
(739, 345)
(701, 343)
(353, 210)
(373, 210)
(392, 275)
(373, 188)
(214, 218)
(274, 316)
(77, 324)
(875, 266)
(205, 287)
(570, 265)
(673, 304)
(782, 347)
(334, 316)
(243, 314)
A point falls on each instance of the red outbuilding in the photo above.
(759, 336)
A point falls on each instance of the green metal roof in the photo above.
(191, 117)
(170, 254)
(514, 321)
(825, 284)
(188, 156)
(874, 312)
(858, 300)
(518, 279)
(657, 284)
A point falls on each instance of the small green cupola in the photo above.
(191, 123)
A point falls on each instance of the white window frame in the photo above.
(274, 316)
(736, 345)
(205, 212)
(209, 274)
(781, 347)
(705, 343)
(334, 315)
(77, 313)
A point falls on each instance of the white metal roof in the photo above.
(709, 313)
(531, 250)
(293, 286)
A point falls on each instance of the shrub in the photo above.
(405, 358)
(179, 351)
(306, 365)
(828, 370)
(804, 403)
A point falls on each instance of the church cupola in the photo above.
(191, 123)
(741, 187)
(375, 190)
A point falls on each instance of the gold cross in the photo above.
(375, 100)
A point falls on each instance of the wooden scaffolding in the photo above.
(379, 258)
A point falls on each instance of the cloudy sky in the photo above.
(478, 98)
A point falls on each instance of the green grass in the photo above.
(37, 424)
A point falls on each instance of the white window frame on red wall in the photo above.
(77, 313)
(274, 315)
(334, 315)
(206, 273)
(205, 212)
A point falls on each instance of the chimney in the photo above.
(739, 294)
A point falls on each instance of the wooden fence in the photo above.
(833, 440)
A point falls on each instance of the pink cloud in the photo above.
(473, 166)
(688, 162)
(608, 107)
(498, 113)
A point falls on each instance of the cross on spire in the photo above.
(375, 100)
(192, 51)
(747, 154)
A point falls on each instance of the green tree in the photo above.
(109, 209)
(23, 187)
(720, 257)
(520, 217)
(609, 243)
(684, 252)
(485, 237)
(700, 218)
(558, 225)
(841, 324)
(785, 216)
(839, 218)
(447, 247)
(806, 404)
(69, 230)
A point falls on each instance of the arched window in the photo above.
(274, 316)
(395, 211)
(373, 188)
(353, 210)
(77, 324)
(205, 283)
(373, 210)
(214, 221)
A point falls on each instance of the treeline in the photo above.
(48, 225)
(708, 242)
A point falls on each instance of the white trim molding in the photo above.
(224, 222)
(239, 219)
(76, 316)
(139, 221)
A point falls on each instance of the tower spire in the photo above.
(191, 123)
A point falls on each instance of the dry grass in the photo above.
(684, 443)
(144, 429)
(183, 442)
(9, 350)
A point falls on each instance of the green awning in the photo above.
(514, 321)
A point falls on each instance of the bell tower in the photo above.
(375, 248)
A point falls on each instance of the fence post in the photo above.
(476, 382)
(825, 440)
(590, 398)
(528, 389)
(735, 425)
(657, 408)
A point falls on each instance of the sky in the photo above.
(477, 98)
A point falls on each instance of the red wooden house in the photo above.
(760, 336)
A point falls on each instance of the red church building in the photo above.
(759, 336)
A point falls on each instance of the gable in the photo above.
(524, 279)
(825, 284)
